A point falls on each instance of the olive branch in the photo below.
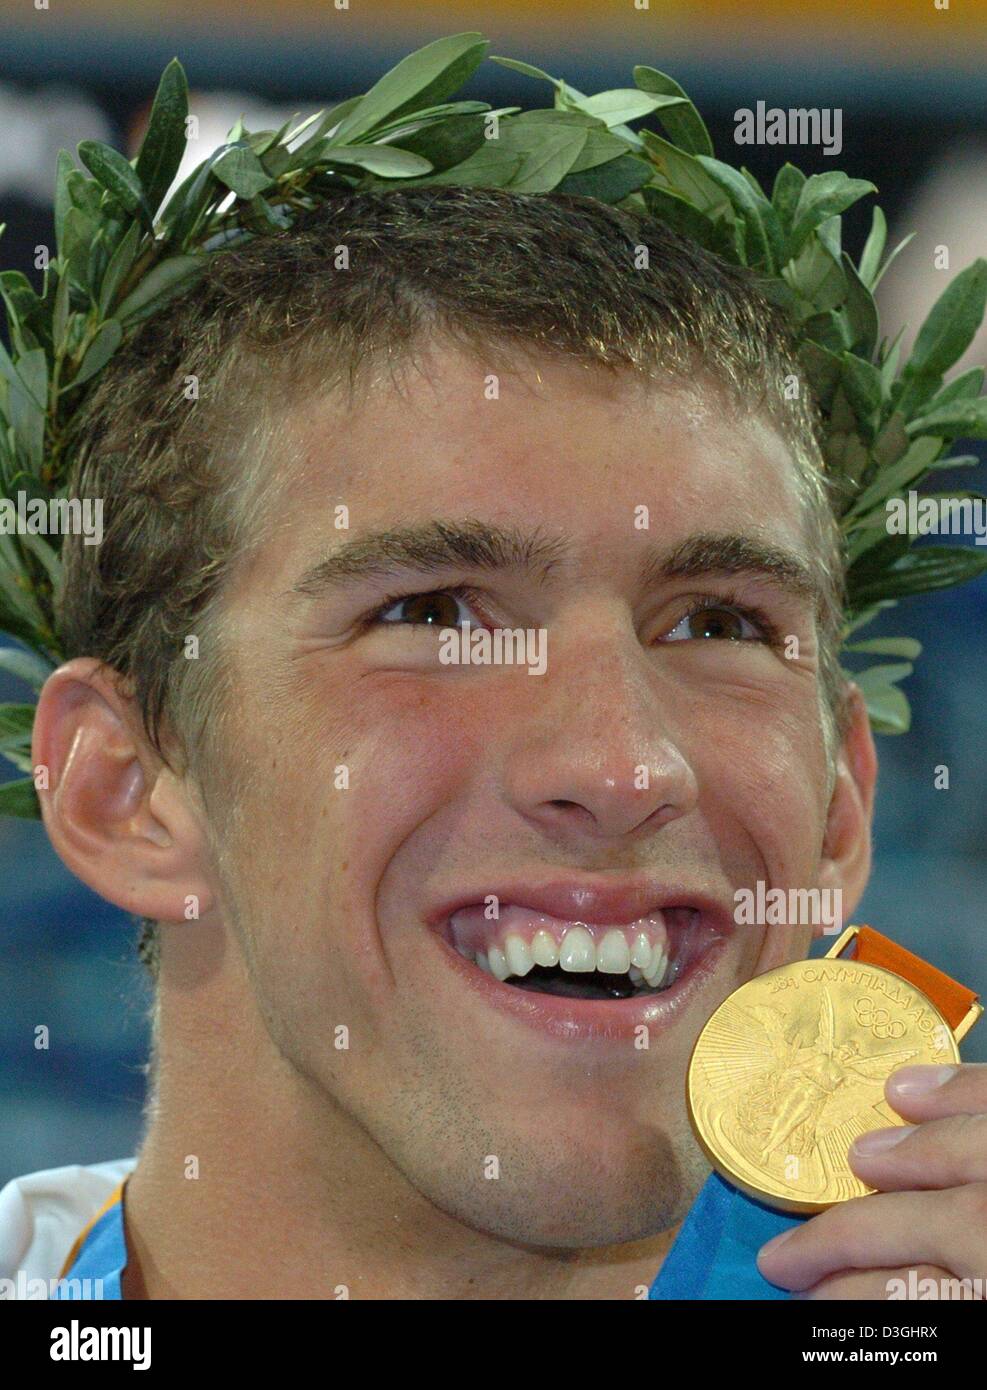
(121, 256)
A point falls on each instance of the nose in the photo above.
(596, 758)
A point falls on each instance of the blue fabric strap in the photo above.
(714, 1254)
(103, 1256)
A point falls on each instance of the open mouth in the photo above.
(581, 960)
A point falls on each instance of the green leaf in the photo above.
(185, 207)
(100, 350)
(26, 666)
(18, 798)
(160, 284)
(788, 185)
(163, 145)
(923, 569)
(905, 647)
(118, 267)
(891, 260)
(61, 312)
(386, 161)
(533, 154)
(549, 150)
(447, 143)
(862, 384)
(86, 194)
(887, 709)
(425, 77)
(625, 104)
(680, 215)
(951, 324)
(873, 248)
(78, 231)
(860, 310)
(825, 370)
(763, 232)
(491, 166)
(966, 386)
(240, 169)
(822, 197)
(685, 176)
(817, 277)
(959, 419)
(15, 721)
(27, 406)
(888, 674)
(65, 165)
(904, 472)
(685, 127)
(117, 176)
(610, 182)
(526, 69)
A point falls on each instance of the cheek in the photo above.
(767, 772)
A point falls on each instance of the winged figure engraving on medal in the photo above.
(810, 1084)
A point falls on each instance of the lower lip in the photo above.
(589, 1019)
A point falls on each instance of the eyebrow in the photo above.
(437, 545)
(432, 547)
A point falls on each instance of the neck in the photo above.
(215, 1211)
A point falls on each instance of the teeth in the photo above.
(519, 957)
(498, 964)
(613, 955)
(577, 952)
(642, 955)
(544, 950)
(641, 951)
(657, 967)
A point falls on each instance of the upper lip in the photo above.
(600, 901)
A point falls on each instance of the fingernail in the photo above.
(776, 1241)
(919, 1081)
(878, 1140)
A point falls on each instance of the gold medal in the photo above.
(791, 1066)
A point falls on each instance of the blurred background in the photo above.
(908, 76)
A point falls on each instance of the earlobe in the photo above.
(116, 816)
(846, 854)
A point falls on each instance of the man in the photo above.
(399, 1048)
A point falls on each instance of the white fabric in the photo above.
(42, 1214)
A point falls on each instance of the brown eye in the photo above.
(439, 609)
(716, 622)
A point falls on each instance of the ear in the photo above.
(846, 855)
(117, 816)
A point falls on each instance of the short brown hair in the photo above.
(365, 276)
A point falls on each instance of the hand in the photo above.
(928, 1219)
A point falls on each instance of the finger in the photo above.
(938, 1153)
(932, 1092)
(885, 1285)
(884, 1230)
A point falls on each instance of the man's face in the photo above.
(662, 761)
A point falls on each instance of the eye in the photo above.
(438, 609)
(708, 620)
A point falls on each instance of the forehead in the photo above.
(526, 438)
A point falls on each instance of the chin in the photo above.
(570, 1200)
